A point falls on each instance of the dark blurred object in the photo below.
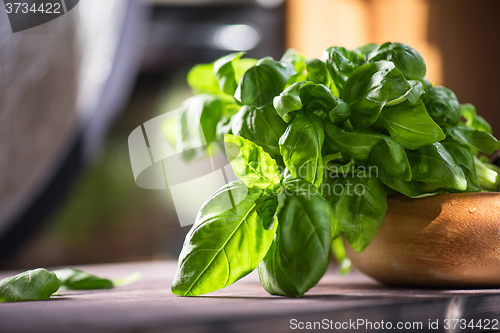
(189, 32)
(65, 81)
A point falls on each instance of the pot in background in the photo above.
(448, 240)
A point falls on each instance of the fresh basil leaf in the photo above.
(410, 125)
(360, 209)
(226, 242)
(465, 158)
(381, 152)
(202, 80)
(300, 147)
(298, 60)
(435, 166)
(262, 126)
(341, 62)
(442, 105)
(299, 255)
(474, 138)
(224, 72)
(267, 207)
(34, 285)
(317, 72)
(412, 189)
(251, 163)
(288, 101)
(416, 90)
(371, 87)
(366, 50)
(197, 124)
(262, 82)
(77, 279)
(407, 60)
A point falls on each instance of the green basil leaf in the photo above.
(202, 80)
(77, 279)
(262, 82)
(262, 126)
(197, 124)
(370, 88)
(251, 163)
(366, 50)
(341, 62)
(474, 138)
(410, 125)
(299, 255)
(407, 60)
(442, 105)
(300, 147)
(226, 242)
(412, 189)
(360, 209)
(417, 89)
(435, 166)
(317, 72)
(224, 72)
(465, 158)
(288, 101)
(298, 60)
(34, 285)
(267, 207)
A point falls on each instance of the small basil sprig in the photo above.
(77, 279)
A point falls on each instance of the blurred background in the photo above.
(73, 89)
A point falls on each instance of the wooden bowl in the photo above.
(448, 240)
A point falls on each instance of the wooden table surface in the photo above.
(149, 306)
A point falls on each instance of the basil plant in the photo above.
(318, 145)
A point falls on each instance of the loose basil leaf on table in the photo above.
(370, 88)
(300, 147)
(226, 242)
(407, 60)
(262, 82)
(359, 209)
(299, 255)
(251, 163)
(435, 166)
(33, 285)
(197, 125)
(77, 279)
(262, 126)
(442, 105)
(410, 125)
(474, 138)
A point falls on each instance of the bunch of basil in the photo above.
(318, 145)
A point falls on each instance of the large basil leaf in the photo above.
(378, 150)
(288, 101)
(33, 285)
(359, 206)
(77, 279)
(435, 166)
(226, 242)
(299, 255)
(300, 147)
(201, 79)
(262, 82)
(197, 124)
(262, 126)
(317, 72)
(474, 138)
(251, 163)
(370, 88)
(442, 105)
(407, 60)
(410, 125)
